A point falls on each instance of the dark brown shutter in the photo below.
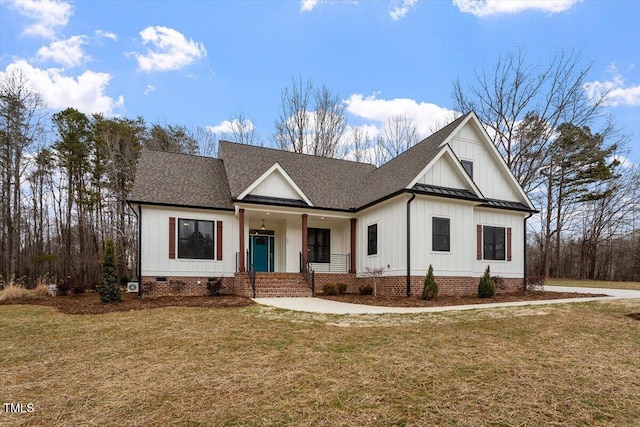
(172, 238)
(219, 240)
(509, 244)
(479, 242)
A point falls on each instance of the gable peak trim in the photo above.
(275, 168)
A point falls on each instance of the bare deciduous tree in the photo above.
(522, 105)
(313, 129)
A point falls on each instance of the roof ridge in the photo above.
(182, 154)
(293, 152)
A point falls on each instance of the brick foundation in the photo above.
(447, 285)
(294, 285)
(182, 286)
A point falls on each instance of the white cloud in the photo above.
(400, 11)
(169, 50)
(227, 126)
(308, 5)
(85, 92)
(617, 93)
(149, 89)
(66, 52)
(426, 116)
(482, 8)
(48, 16)
(106, 35)
(624, 161)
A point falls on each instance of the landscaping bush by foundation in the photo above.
(486, 288)
(330, 289)
(366, 289)
(214, 286)
(430, 290)
(108, 288)
(342, 288)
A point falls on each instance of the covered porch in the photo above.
(275, 239)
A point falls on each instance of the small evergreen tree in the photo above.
(430, 290)
(108, 287)
(486, 288)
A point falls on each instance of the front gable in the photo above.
(490, 172)
(275, 183)
(445, 170)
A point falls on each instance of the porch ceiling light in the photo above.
(262, 228)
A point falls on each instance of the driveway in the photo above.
(319, 305)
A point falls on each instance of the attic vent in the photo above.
(161, 279)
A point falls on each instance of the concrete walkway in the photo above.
(319, 305)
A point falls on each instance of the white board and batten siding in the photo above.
(442, 174)
(155, 243)
(487, 175)
(458, 261)
(392, 248)
(275, 185)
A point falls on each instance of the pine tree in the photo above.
(430, 290)
(108, 288)
(486, 288)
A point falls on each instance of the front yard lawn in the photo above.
(593, 284)
(573, 364)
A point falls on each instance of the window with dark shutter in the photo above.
(440, 234)
(372, 239)
(494, 243)
(195, 239)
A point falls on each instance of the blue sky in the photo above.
(198, 63)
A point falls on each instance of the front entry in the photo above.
(261, 250)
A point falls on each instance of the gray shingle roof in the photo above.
(187, 180)
(328, 183)
(181, 179)
(398, 172)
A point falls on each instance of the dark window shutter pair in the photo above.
(479, 242)
(172, 239)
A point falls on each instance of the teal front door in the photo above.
(262, 252)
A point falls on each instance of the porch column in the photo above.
(352, 267)
(241, 221)
(304, 242)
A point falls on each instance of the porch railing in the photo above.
(309, 275)
(248, 267)
(334, 263)
(252, 275)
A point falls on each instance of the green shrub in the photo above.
(366, 289)
(108, 288)
(342, 288)
(330, 289)
(430, 290)
(486, 288)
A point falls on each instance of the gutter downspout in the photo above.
(140, 251)
(525, 250)
(413, 196)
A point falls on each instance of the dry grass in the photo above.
(42, 290)
(574, 364)
(13, 290)
(593, 284)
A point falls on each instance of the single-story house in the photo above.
(267, 222)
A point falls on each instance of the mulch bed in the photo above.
(89, 303)
(416, 301)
